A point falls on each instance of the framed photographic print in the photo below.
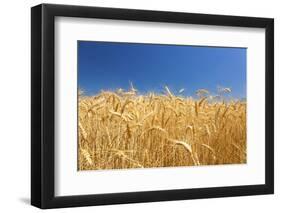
(138, 106)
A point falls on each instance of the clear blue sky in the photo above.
(111, 65)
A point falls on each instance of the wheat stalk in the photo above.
(123, 129)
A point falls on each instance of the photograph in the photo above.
(145, 105)
(134, 105)
(138, 105)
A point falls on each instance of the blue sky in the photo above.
(150, 67)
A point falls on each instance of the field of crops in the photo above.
(124, 129)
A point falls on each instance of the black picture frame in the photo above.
(43, 102)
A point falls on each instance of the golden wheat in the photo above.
(122, 129)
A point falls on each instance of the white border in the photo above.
(70, 182)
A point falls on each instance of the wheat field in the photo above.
(123, 129)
